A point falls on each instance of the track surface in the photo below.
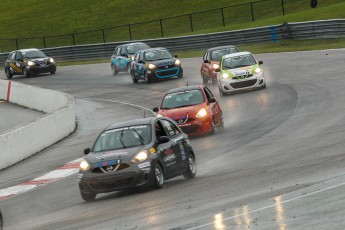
(277, 165)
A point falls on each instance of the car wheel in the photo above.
(213, 130)
(114, 70)
(180, 75)
(214, 81)
(1, 221)
(147, 78)
(129, 68)
(191, 169)
(221, 92)
(8, 73)
(204, 80)
(52, 72)
(158, 176)
(87, 196)
(25, 72)
(263, 86)
(133, 77)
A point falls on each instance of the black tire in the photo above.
(129, 68)
(133, 77)
(213, 130)
(53, 72)
(25, 72)
(87, 196)
(147, 78)
(157, 176)
(221, 92)
(263, 86)
(1, 221)
(114, 70)
(214, 81)
(191, 167)
(180, 75)
(8, 73)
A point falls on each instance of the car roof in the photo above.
(156, 48)
(139, 121)
(27, 50)
(236, 54)
(134, 43)
(222, 47)
(185, 88)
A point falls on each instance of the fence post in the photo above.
(223, 16)
(44, 42)
(283, 10)
(191, 22)
(73, 39)
(251, 8)
(103, 35)
(160, 22)
(17, 43)
(130, 32)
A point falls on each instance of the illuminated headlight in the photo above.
(51, 60)
(140, 156)
(132, 58)
(215, 66)
(177, 62)
(224, 75)
(152, 66)
(201, 113)
(30, 63)
(84, 165)
(158, 115)
(257, 70)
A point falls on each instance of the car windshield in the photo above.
(122, 138)
(34, 54)
(132, 49)
(182, 99)
(157, 55)
(238, 61)
(217, 55)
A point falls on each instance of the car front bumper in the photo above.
(232, 85)
(35, 69)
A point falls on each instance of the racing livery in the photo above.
(154, 64)
(211, 61)
(240, 71)
(194, 108)
(142, 152)
(28, 62)
(123, 54)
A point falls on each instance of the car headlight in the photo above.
(177, 62)
(84, 165)
(140, 156)
(51, 60)
(30, 63)
(202, 113)
(132, 58)
(152, 66)
(257, 70)
(224, 75)
(215, 66)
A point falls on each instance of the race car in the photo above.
(211, 61)
(194, 108)
(154, 64)
(28, 62)
(122, 56)
(137, 153)
(240, 71)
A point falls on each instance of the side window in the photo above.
(12, 55)
(118, 49)
(171, 128)
(19, 56)
(159, 130)
(141, 56)
(136, 57)
(123, 51)
(208, 93)
(205, 56)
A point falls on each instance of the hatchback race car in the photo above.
(211, 61)
(154, 64)
(122, 56)
(28, 62)
(240, 71)
(143, 152)
(194, 108)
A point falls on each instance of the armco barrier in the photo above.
(58, 122)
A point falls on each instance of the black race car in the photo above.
(154, 64)
(28, 62)
(143, 152)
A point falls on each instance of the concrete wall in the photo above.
(57, 123)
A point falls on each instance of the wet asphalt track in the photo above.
(279, 163)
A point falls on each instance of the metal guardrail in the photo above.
(304, 30)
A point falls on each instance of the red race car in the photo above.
(211, 61)
(194, 108)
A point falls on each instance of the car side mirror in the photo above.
(19, 59)
(261, 62)
(141, 62)
(217, 70)
(87, 151)
(155, 109)
(163, 139)
(124, 55)
(175, 56)
(212, 100)
(206, 61)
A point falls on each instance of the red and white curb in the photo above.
(66, 170)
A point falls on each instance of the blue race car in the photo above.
(154, 64)
(122, 56)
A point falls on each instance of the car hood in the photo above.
(170, 61)
(241, 71)
(178, 113)
(37, 60)
(120, 154)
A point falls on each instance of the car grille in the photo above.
(189, 129)
(113, 183)
(167, 73)
(183, 121)
(243, 84)
(166, 66)
(243, 76)
(106, 169)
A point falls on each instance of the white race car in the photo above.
(239, 71)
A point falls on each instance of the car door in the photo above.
(123, 56)
(215, 107)
(115, 57)
(176, 156)
(206, 66)
(141, 64)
